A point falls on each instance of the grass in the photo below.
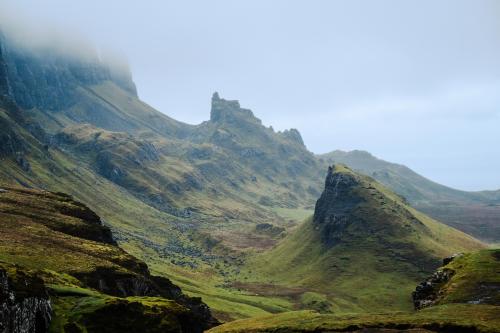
(39, 243)
(468, 302)
(378, 262)
(476, 279)
(451, 318)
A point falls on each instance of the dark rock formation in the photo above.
(94, 229)
(24, 303)
(114, 283)
(333, 211)
(230, 111)
(427, 293)
(47, 80)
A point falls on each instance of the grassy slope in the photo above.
(149, 234)
(447, 318)
(60, 241)
(454, 312)
(366, 271)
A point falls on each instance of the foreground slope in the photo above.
(365, 248)
(467, 301)
(54, 248)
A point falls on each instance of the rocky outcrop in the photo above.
(230, 111)
(111, 282)
(24, 303)
(428, 292)
(294, 136)
(333, 211)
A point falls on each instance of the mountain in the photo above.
(62, 271)
(364, 249)
(192, 201)
(180, 197)
(468, 290)
(475, 213)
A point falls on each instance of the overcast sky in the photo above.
(413, 82)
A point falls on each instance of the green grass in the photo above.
(377, 263)
(453, 317)
(468, 302)
(476, 279)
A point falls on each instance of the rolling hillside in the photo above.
(364, 249)
(468, 302)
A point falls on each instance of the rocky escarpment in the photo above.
(52, 234)
(428, 292)
(47, 80)
(24, 303)
(229, 111)
(334, 209)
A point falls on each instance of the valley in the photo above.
(112, 207)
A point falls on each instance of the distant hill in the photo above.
(362, 242)
(473, 212)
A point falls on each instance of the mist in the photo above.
(412, 82)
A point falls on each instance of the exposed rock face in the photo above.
(294, 135)
(47, 80)
(24, 304)
(229, 111)
(427, 293)
(333, 211)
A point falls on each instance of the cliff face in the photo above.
(47, 80)
(334, 209)
(24, 303)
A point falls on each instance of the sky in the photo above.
(415, 82)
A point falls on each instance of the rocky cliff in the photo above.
(334, 209)
(24, 302)
(47, 80)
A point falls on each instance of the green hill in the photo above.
(61, 271)
(466, 301)
(364, 249)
